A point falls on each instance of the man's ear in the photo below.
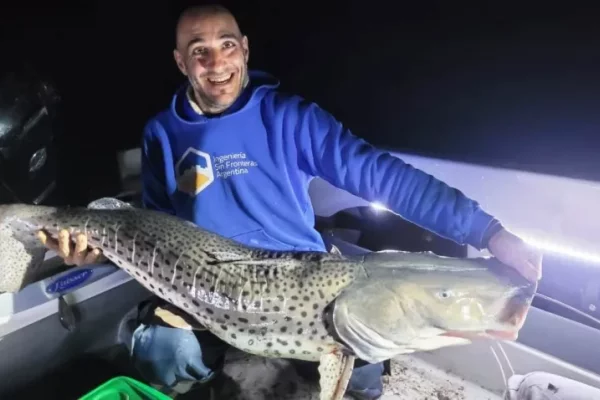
(179, 61)
(246, 48)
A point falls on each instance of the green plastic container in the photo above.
(124, 388)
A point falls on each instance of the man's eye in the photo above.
(199, 50)
(228, 45)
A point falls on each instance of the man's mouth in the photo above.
(221, 79)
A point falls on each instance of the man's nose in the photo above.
(214, 59)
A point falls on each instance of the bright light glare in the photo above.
(379, 206)
(563, 250)
(540, 244)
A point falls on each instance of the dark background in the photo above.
(513, 84)
(504, 85)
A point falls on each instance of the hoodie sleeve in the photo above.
(155, 169)
(330, 151)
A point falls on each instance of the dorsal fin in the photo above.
(108, 203)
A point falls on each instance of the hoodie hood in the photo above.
(259, 84)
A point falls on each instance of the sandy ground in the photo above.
(257, 378)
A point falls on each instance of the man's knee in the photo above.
(365, 381)
(169, 356)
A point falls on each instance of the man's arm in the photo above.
(155, 167)
(332, 152)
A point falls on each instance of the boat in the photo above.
(80, 319)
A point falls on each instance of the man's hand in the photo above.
(73, 252)
(514, 252)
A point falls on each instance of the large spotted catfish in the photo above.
(313, 306)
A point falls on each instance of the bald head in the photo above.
(193, 15)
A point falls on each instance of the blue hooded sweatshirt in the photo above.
(244, 174)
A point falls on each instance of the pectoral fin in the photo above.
(334, 370)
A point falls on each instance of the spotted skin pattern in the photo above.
(280, 304)
(263, 302)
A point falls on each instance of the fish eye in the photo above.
(444, 294)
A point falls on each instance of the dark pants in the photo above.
(178, 359)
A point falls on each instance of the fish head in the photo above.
(469, 302)
(412, 302)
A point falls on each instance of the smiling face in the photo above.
(213, 54)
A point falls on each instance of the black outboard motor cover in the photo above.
(27, 155)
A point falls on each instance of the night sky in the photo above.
(500, 85)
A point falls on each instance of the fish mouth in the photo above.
(515, 312)
(502, 335)
(509, 335)
(509, 323)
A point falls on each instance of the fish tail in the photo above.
(21, 251)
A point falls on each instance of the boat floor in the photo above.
(258, 378)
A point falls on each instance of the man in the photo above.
(235, 156)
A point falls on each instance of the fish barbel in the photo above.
(313, 306)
